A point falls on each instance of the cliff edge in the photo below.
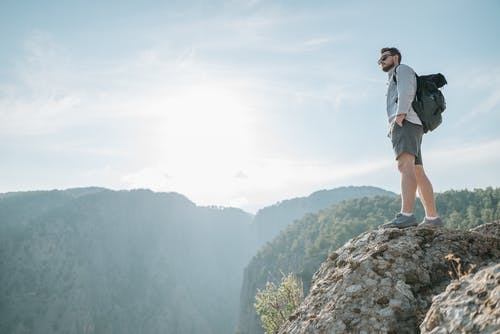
(384, 281)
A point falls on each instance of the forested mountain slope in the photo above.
(100, 261)
(303, 246)
(269, 221)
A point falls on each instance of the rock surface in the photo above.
(383, 281)
(470, 305)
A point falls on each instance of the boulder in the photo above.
(469, 305)
(384, 281)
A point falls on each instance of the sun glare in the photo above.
(200, 140)
(209, 120)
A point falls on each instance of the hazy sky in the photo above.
(240, 103)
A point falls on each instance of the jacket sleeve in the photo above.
(407, 88)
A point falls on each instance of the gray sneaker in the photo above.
(431, 223)
(401, 221)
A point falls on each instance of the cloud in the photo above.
(238, 202)
(155, 178)
(55, 91)
(42, 99)
(265, 181)
(173, 113)
(482, 85)
(480, 153)
(250, 104)
(241, 175)
(490, 104)
(464, 165)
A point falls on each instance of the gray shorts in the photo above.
(407, 139)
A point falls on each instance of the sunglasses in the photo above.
(383, 58)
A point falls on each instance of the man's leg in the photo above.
(425, 191)
(406, 166)
(406, 142)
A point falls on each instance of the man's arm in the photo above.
(407, 87)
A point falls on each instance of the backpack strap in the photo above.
(394, 75)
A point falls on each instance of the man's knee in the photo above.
(406, 162)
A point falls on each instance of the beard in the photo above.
(388, 67)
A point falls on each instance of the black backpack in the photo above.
(429, 102)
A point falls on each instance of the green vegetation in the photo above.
(276, 303)
(100, 261)
(139, 261)
(304, 245)
(271, 220)
(131, 261)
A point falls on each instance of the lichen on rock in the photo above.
(384, 281)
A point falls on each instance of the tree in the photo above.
(276, 303)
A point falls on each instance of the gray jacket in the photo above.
(400, 95)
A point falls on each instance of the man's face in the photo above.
(386, 61)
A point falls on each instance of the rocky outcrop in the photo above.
(470, 305)
(383, 281)
(489, 229)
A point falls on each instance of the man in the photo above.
(405, 131)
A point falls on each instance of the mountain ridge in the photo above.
(304, 245)
(95, 254)
(134, 260)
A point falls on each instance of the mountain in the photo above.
(101, 261)
(305, 244)
(269, 221)
(93, 260)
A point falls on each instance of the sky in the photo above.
(238, 103)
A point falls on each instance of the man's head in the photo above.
(389, 58)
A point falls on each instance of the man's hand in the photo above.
(399, 120)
